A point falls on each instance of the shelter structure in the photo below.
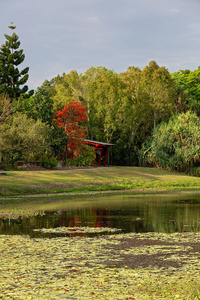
(101, 151)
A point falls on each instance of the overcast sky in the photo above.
(64, 35)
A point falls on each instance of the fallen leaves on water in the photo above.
(97, 268)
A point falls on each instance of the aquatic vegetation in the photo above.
(114, 267)
(71, 230)
(19, 213)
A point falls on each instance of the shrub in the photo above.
(49, 162)
(22, 139)
(176, 145)
(85, 157)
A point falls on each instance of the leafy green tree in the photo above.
(188, 89)
(161, 92)
(136, 119)
(40, 107)
(148, 99)
(67, 89)
(12, 80)
(22, 139)
(176, 145)
(102, 98)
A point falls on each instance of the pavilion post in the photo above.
(95, 156)
(106, 157)
(100, 157)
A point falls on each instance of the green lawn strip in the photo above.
(166, 267)
(99, 179)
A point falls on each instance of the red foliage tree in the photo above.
(72, 119)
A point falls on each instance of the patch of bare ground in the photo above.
(96, 183)
(50, 186)
(65, 185)
(55, 185)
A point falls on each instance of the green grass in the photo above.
(100, 179)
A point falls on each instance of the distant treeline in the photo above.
(141, 111)
(124, 108)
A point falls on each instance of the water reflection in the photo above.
(159, 213)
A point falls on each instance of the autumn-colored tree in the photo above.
(72, 118)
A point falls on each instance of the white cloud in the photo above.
(93, 20)
(174, 11)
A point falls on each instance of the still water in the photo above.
(130, 213)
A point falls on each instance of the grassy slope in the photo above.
(100, 179)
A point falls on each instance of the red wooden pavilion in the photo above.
(101, 149)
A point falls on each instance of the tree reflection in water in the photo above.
(129, 213)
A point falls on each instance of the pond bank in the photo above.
(80, 181)
(52, 197)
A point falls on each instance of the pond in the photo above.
(125, 212)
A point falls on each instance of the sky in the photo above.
(64, 35)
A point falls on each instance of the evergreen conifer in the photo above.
(12, 80)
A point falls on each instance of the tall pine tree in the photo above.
(12, 80)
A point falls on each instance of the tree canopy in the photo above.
(188, 89)
(121, 108)
(71, 119)
(22, 139)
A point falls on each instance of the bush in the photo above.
(49, 162)
(194, 171)
(22, 139)
(7, 167)
(85, 158)
(176, 145)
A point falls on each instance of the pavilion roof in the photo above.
(98, 143)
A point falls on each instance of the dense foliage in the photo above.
(22, 139)
(71, 119)
(125, 109)
(121, 108)
(176, 145)
(188, 89)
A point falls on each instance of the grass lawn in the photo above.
(97, 179)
